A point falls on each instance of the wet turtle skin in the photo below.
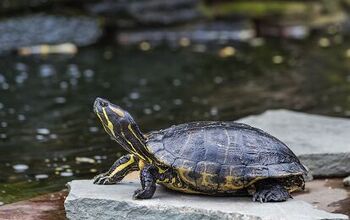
(208, 157)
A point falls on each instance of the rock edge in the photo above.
(88, 201)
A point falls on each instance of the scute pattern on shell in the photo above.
(223, 149)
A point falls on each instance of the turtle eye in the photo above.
(118, 111)
(103, 104)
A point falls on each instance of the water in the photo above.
(49, 134)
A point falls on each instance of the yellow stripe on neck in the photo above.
(132, 146)
(141, 142)
(133, 132)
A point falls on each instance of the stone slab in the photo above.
(88, 201)
(322, 143)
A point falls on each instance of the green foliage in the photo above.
(256, 8)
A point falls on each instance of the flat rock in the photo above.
(322, 143)
(88, 201)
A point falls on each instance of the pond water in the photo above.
(49, 134)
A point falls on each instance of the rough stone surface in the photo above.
(47, 29)
(322, 143)
(88, 201)
(346, 181)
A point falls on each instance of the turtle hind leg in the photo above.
(270, 191)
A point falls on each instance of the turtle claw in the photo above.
(257, 197)
(276, 193)
(103, 179)
(137, 194)
(142, 194)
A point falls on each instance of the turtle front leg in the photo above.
(148, 176)
(118, 171)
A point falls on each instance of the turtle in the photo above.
(218, 158)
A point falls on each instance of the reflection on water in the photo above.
(49, 134)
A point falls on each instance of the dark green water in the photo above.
(46, 118)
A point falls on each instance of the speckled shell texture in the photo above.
(224, 149)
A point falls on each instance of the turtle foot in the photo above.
(142, 194)
(271, 193)
(104, 179)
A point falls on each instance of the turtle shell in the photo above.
(223, 156)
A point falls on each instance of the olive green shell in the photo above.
(218, 153)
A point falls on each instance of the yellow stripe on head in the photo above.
(103, 125)
(109, 123)
(119, 112)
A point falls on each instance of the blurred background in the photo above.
(165, 61)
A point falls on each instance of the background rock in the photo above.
(160, 12)
(346, 181)
(47, 29)
(202, 33)
(322, 143)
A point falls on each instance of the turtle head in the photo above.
(112, 117)
(120, 125)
